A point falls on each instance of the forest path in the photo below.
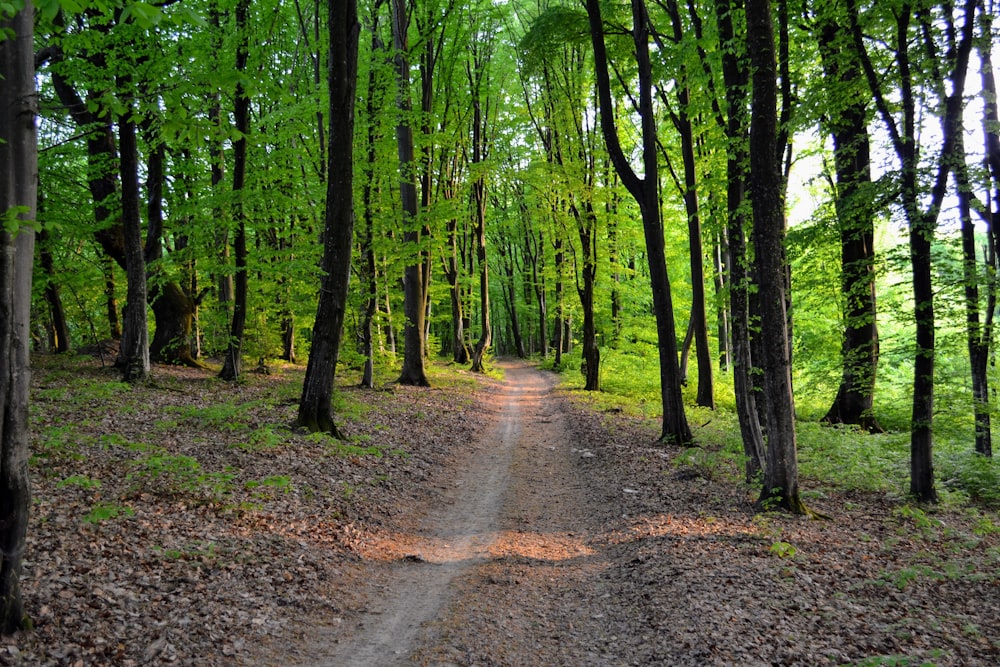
(444, 583)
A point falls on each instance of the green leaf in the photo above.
(144, 14)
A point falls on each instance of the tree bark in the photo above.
(699, 315)
(413, 279)
(59, 328)
(315, 406)
(18, 197)
(232, 366)
(134, 354)
(848, 123)
(781, 483)
(735, 71)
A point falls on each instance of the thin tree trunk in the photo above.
(233, 365)
(111, 299)
(855, 216)
(645, 191)
(699, 317)
(735, 70)
(18, 190)
(60, 328)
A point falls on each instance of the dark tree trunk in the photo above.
(720, 261)
(459, 351)
(232, 366)
(59, 329)
(991, 215)
(538, 281)
(645, 191)
(18, 189)
(557, 328)
(848, 124)
(369, 276)
(315, 407)
(781, 483)
(486, 331)
(699, 317)
(735, 70)
(586, 224)
(922, 222)
(111, 299)
(174, 313)
(510, 293)
(134, 353)
(979, 334)
(413, 278)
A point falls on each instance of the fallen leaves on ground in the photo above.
(186, 523)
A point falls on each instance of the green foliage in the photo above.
(81, 481)
(180, 475)
(262, 439)
(892, 661)
(106, 511)
(975, 476)
(227, 416)
(782, 550)
(850, 458)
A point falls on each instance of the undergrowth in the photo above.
(840, 458)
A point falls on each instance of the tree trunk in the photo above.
(315, 407)
(699, 317)
(645, 191)
(232, 366)
(134, 354)
(111, 299)
(781, 482)
(735, 72)
(174, 313)
(59, 329)
(413, 279)
(18, 192)
(855, 217)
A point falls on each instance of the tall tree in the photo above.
(645, 190)
(781, 484)
(847, 103)
(413, 276)
(736, 77)
(134, 354)
(682, 122)
(315, 408)
(479, 79)
(18, 199)
(920, 211)
(233, 364)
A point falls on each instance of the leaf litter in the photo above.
(185, 523)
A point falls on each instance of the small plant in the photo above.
(182, 475)
(783, 550)
(260, 439)
(197, 552)
(60, 443)
(81, 481)
(269, 485)
(105, 511)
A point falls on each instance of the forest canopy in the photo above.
(785, 209)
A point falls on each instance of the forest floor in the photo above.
(481, 522)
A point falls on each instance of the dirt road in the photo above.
(516, 503)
